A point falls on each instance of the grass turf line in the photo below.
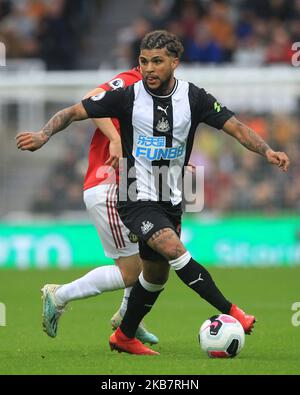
(81, 346)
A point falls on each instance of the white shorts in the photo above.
(116, 239)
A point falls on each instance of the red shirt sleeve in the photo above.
(122, 80)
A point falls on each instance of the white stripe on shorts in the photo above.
(113, 216)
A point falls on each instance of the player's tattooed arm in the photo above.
(32, 141)
(251, 140)
(63, 119)
(109, 130)
(105, 124)
(246, 136)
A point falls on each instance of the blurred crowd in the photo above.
(246, 32)
(50, 30)
(236, 180)
(63, 188)
(239, 180)
(243, 32)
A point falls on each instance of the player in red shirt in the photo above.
(100, 194)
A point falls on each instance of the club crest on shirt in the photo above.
(163, 125)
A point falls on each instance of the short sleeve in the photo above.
(211, 111)
(105, 104)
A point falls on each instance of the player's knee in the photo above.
(167, 243)
(130, 268)
(130, 274)
(172, 250)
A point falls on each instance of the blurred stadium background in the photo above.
(240, 50)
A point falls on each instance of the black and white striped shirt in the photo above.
(157, 134)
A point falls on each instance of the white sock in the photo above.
(101, 279)
(180, 262)
(149, 286)
(124, 303)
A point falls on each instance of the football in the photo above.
(221, 336)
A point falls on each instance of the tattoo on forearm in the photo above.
(252, 140)
(58, 122)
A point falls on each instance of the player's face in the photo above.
(157, 68)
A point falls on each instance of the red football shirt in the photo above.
(99, 148)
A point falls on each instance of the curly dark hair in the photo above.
(163, 39)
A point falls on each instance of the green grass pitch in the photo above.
(81, 346)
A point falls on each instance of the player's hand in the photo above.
(278, 158)
(191, 168)
(115, 153)
(31, 141)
